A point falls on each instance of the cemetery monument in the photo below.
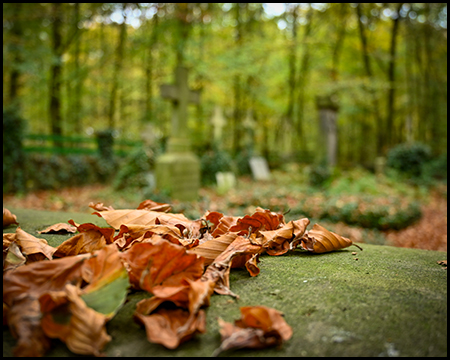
(178, 170)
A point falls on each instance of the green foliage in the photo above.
(214, 161)
(13, 153)
(409, 158)
(133, 172)
(319, 175)
(53, 172)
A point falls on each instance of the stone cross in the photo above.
(180, 95)
(178, 170)
(218, 121)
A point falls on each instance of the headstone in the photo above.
(178, 170)
(225, 181)
(259, 167)
(249, 125)
(328, 110)
(380, 165)
(218, 121)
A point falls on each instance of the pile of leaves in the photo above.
(70, 292)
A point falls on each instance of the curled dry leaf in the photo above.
(100, 207)
(72, 321)
(130, 234)
(211, 249)
(59, 228)
(221, 223)
(219, 270)
(8, 218)
(154, 206)
(171, 327)
(260, 220)
(90, 238)
(258, 327)
(319, 240)
(35, 249)
(280, 241)
(161, 263)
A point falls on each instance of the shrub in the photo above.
(134, 170)
(214, 161)
(409, 158)
(13, 153)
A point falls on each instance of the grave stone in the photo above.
(259, 167)
(225, 181)
(218, 121)
(178, 170)
(328, 110)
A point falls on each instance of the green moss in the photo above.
(389, 302)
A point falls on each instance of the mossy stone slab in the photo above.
(384, 301)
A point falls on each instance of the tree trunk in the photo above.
(149, 70)
(302, 80)
(56, 74)
(369, 74)
(16, 74)
(292, 81)
(391, 79)
(117, 70)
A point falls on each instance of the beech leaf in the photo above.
(8, 218)
(319, 240)
(59, 228)
(258, 327)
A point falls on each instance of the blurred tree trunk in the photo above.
(149, 68)
(56, 72)
(237, 87)
(17, 60)
(77, 107)
(389, 130)
(292, 59)
(117, 70)
(371, 91)
(302, 80)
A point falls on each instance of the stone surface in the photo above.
(389, 302)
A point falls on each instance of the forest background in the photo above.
(72, 72)
(74, 69)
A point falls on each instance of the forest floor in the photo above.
(429, 233)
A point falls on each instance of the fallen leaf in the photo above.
(260, 220)
(219, 270)
(161, 263)
(319, 240)
(35, 249)
(8, 218)
(59, 228)
(211, 249)
(171, 327)
(79, 326)
(90, 238)
(280, 241)
(14, 257)
(259, 327)
(100, 207)
(154, 206)
(24, 321)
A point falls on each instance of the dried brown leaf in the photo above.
(171, 327)
(35, 249)
(258, 327)
(8, 218)
(161, 263)
(59, 228)
(100, 207)
(154, 206)
(79, 326)
(319, 240)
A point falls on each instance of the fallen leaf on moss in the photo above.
(100, 207)
(171, 327)
(90, 238)
(319, 240)
(161, 263)
(35, 249)
(72, 321)
(154, 206)
(8, 218)
(59, 228)
(259, 327)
